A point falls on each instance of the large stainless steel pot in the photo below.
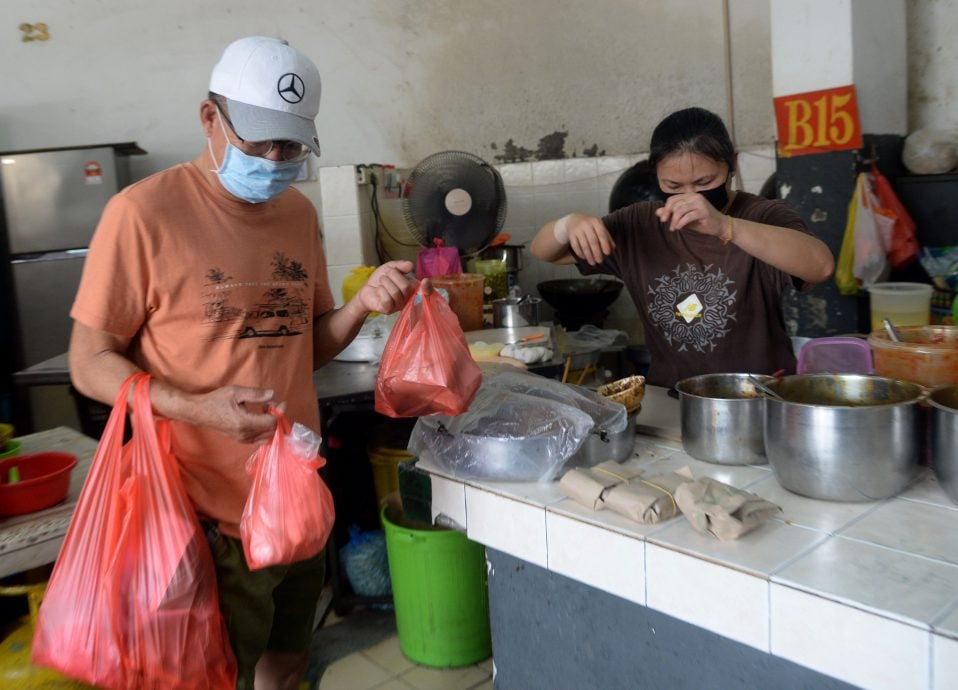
(601, 445)
(722, 417)
(843, 437)
(944, 437)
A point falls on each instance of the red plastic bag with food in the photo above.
(441, 261)
(289, 512)
(426, 367)
(904, 246)
(132, 601)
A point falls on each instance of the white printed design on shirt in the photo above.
(692, 306)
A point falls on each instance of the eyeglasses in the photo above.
(288, 150)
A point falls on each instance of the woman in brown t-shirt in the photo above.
(706, 268)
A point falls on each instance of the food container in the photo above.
(515, 312)
(601, 446)
(44, 480)
(904, 304)
(843, 437)
(465, 297)
(722, 418)
(628, 392)
(927, 354)
(944, 437)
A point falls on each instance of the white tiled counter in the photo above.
(864, 592)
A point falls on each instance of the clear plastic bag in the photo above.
(520, 427)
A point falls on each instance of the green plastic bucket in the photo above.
(439, 592)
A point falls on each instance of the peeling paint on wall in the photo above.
(550, 147)
(817, 189)
(784, 190)
(819, 216)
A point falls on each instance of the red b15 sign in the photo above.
(818, 121)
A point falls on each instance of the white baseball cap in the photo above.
(272, 90)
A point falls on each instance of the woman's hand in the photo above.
(692, 211)
(588, 237)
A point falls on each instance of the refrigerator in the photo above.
(51, 203)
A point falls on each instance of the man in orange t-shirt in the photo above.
(211, 277)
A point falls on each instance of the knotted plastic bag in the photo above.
(441, 261)
(289, 512)
(132, 602)
(426, 367)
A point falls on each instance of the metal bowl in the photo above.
(944, 437)
(843, 437)
(722, 418)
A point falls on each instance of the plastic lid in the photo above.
(835, 355)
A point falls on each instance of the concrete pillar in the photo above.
(823, 44)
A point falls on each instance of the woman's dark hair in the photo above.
(693, 130)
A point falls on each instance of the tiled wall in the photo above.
(536, 192)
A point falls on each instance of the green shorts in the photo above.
(269, 609)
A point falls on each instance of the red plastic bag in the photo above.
(289, 513)
(132, 601)
(441, 261)
(904, 246)
(426, 367)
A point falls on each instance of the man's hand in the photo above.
(388, 288)
(238, 412)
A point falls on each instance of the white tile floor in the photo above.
(384, 667)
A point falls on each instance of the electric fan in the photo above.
(456, 197)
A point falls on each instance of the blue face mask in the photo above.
(251, 178)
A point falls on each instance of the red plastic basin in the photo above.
(44, 481)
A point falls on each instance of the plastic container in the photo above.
(927, 354)
(439, 593)
(495, 280)
(835, 355)
(44, 480)
(905, 304)
(465, 297)
(385, 463)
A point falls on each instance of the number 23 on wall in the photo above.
(818, 121)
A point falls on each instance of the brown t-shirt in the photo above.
(213, 291)
(706, 307)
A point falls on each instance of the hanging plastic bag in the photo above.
(871, 238)
(845, 268)
(426, 366)
(904, 247)
(441, 261)
(289, 512)
(132, 601)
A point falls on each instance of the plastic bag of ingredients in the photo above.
(520, 427)
(289, 512)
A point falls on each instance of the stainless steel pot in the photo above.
(722, 418)
(843, 437)
(512, 312)
(944, 437)
(601, 446)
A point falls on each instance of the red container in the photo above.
(44, 481)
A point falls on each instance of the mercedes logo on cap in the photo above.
(291, 88)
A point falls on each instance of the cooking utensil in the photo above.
(575, 296)
(512, 312)
(602, 445)
(762, 387)
(722, 418)
(891, 331)
(843, 437)
(628, 392)
(944, 437)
